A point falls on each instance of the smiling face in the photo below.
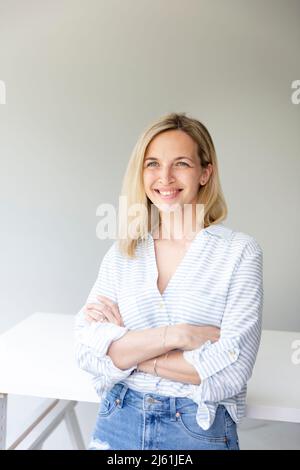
(172, 171)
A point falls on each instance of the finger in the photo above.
(96, 311)
(112, 305)
(112, 317)
(102, 308)
(89, 318)
(103, 315)
(113, 308)
(94, 308)
(93, 315)
(106, 309)
(109, 315)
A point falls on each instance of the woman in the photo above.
(172, 325)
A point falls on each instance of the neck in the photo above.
(180, 224)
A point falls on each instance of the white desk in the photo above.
(37, 359)
(274, 388)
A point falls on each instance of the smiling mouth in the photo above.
(168, 194)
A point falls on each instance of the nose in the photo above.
(166, 174)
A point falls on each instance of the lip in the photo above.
(170, 196)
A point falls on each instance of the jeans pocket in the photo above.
(231, 432)
(191, 427)
(228, 419)
(233, 443)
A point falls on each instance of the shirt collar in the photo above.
(220, 230)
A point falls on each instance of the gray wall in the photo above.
(83, 79)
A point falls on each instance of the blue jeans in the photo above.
(128, 419)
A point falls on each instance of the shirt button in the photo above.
(161, 305)
(118, 401)
(232, 354)
(177, 414)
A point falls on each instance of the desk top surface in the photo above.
(37, 359)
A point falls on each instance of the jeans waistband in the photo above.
(149, 401)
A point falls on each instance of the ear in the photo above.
(206, 174)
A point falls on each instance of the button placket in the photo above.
(162, 307)
(232, 354)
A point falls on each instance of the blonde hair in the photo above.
(211, 194)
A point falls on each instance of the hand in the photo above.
(104, 311)
(193, 336)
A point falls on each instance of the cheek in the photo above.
(191, 182)
(148, 180)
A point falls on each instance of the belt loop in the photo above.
(122, 394)
(173, 408)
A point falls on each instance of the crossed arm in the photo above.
(142, 347)
(174, 367)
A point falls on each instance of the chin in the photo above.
(165, 207)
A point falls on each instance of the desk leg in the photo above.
(3, 419)
(48, 419)
(74, 429)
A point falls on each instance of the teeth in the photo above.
(168, 193)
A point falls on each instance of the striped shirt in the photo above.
(218, 282)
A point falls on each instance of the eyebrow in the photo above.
(177, 158)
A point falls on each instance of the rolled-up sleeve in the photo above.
(224, 367)
(92, 340)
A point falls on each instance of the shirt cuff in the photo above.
(104, 382)
(211, 358)
(99, 336)
(116, 372)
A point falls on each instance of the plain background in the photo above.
(83, 79)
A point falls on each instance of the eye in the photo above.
(179, 163)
